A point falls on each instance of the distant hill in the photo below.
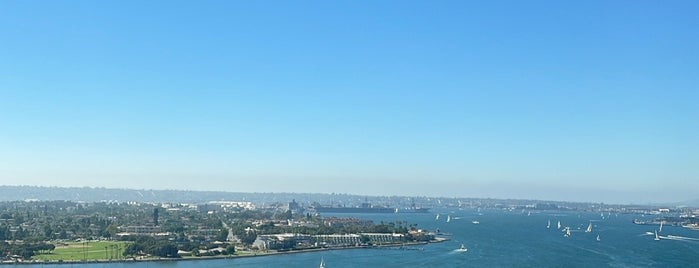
(98, 194)
(691, 203)
(687, 203)
(89, 194)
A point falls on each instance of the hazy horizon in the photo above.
(590, 101)
(689, 202)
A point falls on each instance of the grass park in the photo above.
(73, 251)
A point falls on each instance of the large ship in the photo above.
(363, 208)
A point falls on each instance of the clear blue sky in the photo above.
(563, 100)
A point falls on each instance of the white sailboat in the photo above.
(462, 248)
(661, 227)
(657, 238)
(448, 218)
(567, 234)
(589, 228)
(548, 225)
(322, 263)
(559, 224)
(436, 218)
(598, 238)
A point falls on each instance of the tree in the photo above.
(132, 249)
(222, 235)
(164, 249)
(230, 249)
(248, 238)
(155, 216)
(110, 231)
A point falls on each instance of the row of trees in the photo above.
(146, 245)
(149, 245)
(25, 250)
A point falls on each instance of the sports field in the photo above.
(101, 250)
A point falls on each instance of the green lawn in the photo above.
(102, 250)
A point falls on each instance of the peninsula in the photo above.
(109, 231)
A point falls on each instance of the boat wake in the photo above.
(458, 250)
(461, 249)
(679, 238)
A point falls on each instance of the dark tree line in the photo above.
(149, 245)
(26, 250)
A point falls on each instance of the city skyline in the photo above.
(593, 101)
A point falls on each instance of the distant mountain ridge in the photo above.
(686, 203)
(691, 203)
(90, 194)
(98, 194)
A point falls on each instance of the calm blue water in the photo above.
(502, 239)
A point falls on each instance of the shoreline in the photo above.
(218, 257)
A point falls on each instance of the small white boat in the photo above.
(462, 248)
(548, 225)
(559, 224)
(448, 218)
(436, 218)
(661, 227)
(567, 234)
(657, 238)
(322, 263)
(476, 222)
(589, 228)
(598, 238)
